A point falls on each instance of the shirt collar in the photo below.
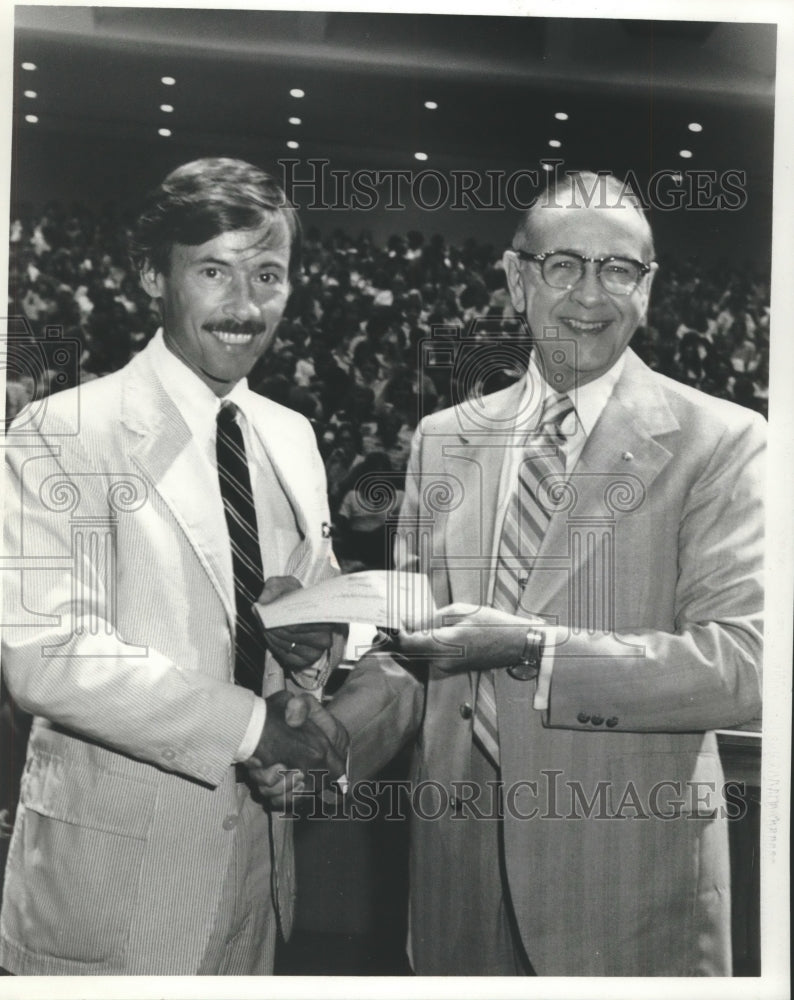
(194, 399)
(589, 399)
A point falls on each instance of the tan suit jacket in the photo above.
(118, 638)
(615, 834)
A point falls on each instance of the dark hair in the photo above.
(202, 199)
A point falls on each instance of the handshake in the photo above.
(299, 736)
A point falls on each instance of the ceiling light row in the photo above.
(167, 81)
(296, 92)
(30, 67)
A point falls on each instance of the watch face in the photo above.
(524, 671)
(528, 667)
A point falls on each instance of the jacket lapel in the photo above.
(621, 459)
(488, 427)
(289, 462)
(163, 449)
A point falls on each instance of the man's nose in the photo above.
(589, 291)
(241, 303)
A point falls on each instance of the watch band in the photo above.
(528, 667)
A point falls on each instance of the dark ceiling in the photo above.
(630, 87)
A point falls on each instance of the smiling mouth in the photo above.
(586, 326)
(235, 337)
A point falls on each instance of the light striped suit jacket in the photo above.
(615, 835)
(118, 638)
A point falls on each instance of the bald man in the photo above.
(598, 569)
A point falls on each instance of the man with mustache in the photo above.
(147, 511)
(595, 545)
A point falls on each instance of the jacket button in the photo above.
(612, 722)
(466, 710)
(169, 754)
(598, 720)
(230, 822)
(583, 717)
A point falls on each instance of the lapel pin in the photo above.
(627, 456)
(326, 529)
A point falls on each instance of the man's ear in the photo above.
(151, 280)
(515, 281)
(646, 288)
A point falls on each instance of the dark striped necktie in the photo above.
(238, 503)
(526, 520)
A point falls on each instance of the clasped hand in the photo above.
(463, 637)
(299, 736)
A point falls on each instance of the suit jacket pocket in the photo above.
(76, 860)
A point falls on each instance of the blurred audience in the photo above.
(374, 338)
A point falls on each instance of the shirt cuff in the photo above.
(253, 731)
(543, 690)
(343, 781)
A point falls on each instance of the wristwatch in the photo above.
(528, 666)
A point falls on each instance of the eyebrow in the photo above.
(622, 253)
(229, 263)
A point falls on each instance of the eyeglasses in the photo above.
(563, 269)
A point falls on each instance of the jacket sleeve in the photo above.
(705, 674)
(380, 705)
(62, 657)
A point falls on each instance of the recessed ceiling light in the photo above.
(291, 144)
(547, 167)
(420, 156)
(431, 105)
(168, 108)
(31, 94)
(685, 154)
(164, 132)
(561, 116)
(32, 119)
(695, 127)
(297, 92)
(294, 121)
(29, 66)
(169, 81)
(555, 143)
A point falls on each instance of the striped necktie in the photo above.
(238, 503)
(525, 524)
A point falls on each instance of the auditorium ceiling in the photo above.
(630, 89)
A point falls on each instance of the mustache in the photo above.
(228, 326)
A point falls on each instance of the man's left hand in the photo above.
(294, 646)
(276, 786)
